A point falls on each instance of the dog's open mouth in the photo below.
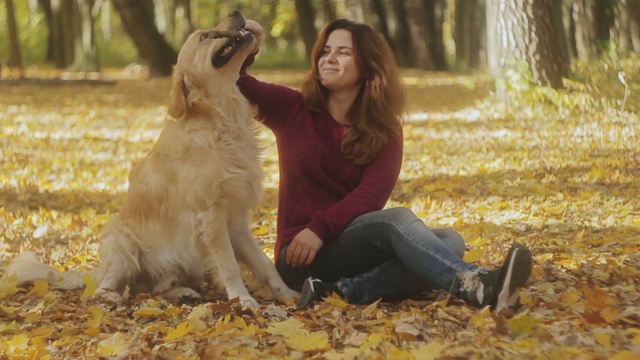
(235, 41)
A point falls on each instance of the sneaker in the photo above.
(499, 288)
(314, 290)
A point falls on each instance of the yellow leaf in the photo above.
(287, 328)
(40, 288)
(43, 332)
(524, 299)
(180, 331)
(430, 351)
(610, 315)
(522, 324)
(336, 300)
(603, 339)
(636, 340)
(34, 317)
(113, 346)
(625, 355)
(570, 297)
(8, 286)
(262, 230)
(148, 313)
(90, 286)
(19, 341)
(370, 310)
(473, 255)
(308, 342)
(197, 314)
(8, 309)
(373, 341)
(91, 331)
(399, 354)
(95, 317)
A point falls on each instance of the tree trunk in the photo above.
(569, 24)
(603, 20)
(329, 10)
(434, 36)
(522, 32)
(633, 10)
(182, 14)
(61, 31)
(85, 49)
(269, 22)
(306, 22)
(15, 58)
(403, 37)
(469, 21)
(558, 26)
(383, 25)
(355, 10)
(583, 20)
(137, 17)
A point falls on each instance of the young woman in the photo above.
(340, 149)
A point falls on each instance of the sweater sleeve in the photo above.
(371, 194)
(273, 102)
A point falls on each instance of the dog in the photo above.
(186, 214)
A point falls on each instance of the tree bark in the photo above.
(603, 20)
(383, 25)
(306, 21)
(584, 35)
(403, 37)
(15, 57)
(182, 15)
(138, 19)
(329, 10)
(633, 10)
(434, 36)
(85, 50)
(522, 32)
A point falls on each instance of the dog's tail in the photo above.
(27, 268)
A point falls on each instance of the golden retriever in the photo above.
(186, 214)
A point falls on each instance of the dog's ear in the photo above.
(178, 94)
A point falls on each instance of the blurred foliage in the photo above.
(115, 48)
(594, 85)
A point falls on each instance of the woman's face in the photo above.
(336, 66)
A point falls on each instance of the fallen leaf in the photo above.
(315, 341)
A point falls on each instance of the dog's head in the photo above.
(208, 57)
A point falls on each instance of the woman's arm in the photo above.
(274, 102)
(371, 194)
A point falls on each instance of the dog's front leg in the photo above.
(216, 242)
(250, 253)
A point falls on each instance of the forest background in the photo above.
(522, 126)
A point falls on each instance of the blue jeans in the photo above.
(388, 254)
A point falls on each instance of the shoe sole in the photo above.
(514, 276)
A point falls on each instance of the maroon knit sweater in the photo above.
(320, 188)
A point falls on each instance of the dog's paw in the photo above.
(109, 296)
(182, 294)
(248, 302)
(285, 294)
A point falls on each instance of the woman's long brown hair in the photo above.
(378, 108)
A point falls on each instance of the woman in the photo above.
(340, 148)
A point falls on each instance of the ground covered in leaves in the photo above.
(559, 172)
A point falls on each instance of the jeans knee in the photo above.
(400, 215)
(453, 240)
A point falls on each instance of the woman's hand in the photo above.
(254, 28)
(303, 248)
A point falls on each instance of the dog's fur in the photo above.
(186, 214)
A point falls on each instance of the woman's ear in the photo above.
(178, 94)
